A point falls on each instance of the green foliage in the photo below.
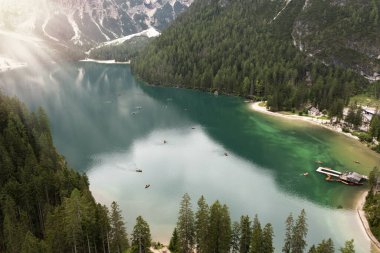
(122, 52)
(44, 205)
(363, 136)
(219, 240)
(354, 116)
(326, 246)
(374, 129)
(288, 234)
(267, 239)
(235, 237)
(348, 247)
(118, 234)
(202, 226)
(141, 238)
(174, 242)
(299, 233)
(256, 242)
(186, 226)
(246, 234)
(235, 49)
(372, 204)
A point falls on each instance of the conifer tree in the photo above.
(299, 234)
(220, 229)
(288, 234)
(235, 237)
(202, 225)
(246, 234)
(267, 239)
(186, 226)
(141, 238)
(174, 242)
(256, 241)
(118, 234)
(348, 247)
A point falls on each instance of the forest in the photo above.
(45, 206)
(236, 47)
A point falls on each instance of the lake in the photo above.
(108, 124)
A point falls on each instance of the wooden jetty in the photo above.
(349, 178)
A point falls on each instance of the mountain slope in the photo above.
(247, 47)
(344, 33)
(88, 22)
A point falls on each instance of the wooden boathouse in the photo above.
(350, 178)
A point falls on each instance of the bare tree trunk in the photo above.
(75, 243)
(104, 246)
(108, 242)
(95, 248)
(88, 244)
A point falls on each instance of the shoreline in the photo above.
(318, 122)
(360, 201)
(105, 61)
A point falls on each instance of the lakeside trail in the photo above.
(363, 220)
(319, 122)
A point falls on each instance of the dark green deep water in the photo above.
(107, 124)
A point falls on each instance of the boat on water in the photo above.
(138, 170)
(349, 177)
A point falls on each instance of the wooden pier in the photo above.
(349, 178)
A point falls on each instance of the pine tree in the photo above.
(267, 241)
(118, 234)
(235, 237)
(246, 234)
(299, 234)
(202, 225)
(220, 229)
(174, 242)
(141, 238)
(186, 226)
(288, 235)
(326, 247)
(256, 241)
(348, 247)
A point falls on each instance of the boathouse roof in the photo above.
(354, 177)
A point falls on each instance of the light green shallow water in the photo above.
(98, 126)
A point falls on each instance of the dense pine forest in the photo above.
(238, 47)
(44, 205)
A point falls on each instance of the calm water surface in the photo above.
(107, 124)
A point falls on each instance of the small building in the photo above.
(314, 112)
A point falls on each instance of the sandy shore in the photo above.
(105, 61)
(363, 220)
(360, 201)
(323, 123)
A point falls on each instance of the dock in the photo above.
(349, 178)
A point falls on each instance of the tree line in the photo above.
(45, 206)
(237, 49)
(210, 230)
(372, 204)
